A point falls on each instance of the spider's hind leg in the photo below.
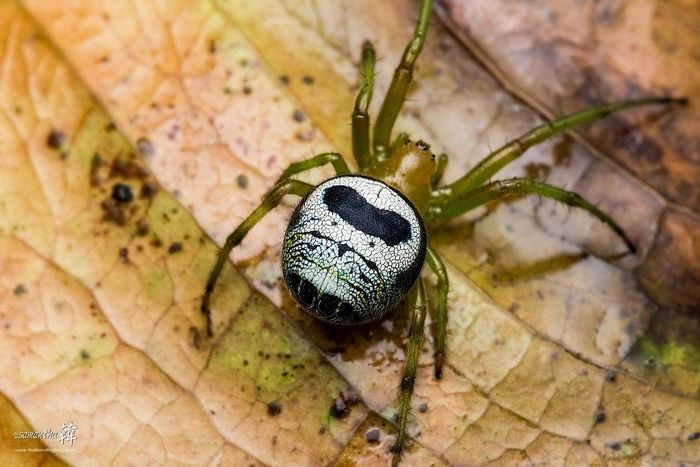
(443, 286)
(284, 186)
(408, 378)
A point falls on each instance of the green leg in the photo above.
(269, 202)
(333, 158)
(495, 161)
(360, 116)
(396, 95)
(439, 170)
(415, 343)
(443, 286)
(458, 202)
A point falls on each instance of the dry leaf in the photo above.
(556, 355)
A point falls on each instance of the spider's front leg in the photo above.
(509, 152)
(415, 343)
(360, 115)
(284, 186)
(440, 167)
(396, 95)
(470, 191)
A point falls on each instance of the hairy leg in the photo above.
(443, 286)
(333, 158)
(498, 159)
(415, 343)
(360, 116)
(458, 202)
(396, 95)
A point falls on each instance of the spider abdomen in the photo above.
(353, 248)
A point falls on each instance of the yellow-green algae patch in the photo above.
(668, 355)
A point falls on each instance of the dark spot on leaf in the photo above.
(308, 80)
(121, 193)
(148, 190)
(175, 247)
(339, 409)
(284, 79)
(562, 151)
(298, 116)
(21, 289)
(693, 436)
(242, 181)
(423, 407)
(124, 254)
(599, 417)
(372, 435)
(113, 212)
(195, 337)
(274, 408)
(95, 165)
(247, 90)
(342, 404)
(142, 228)
(145, 146)
(84, 354)
(55, 139)
(126, 169)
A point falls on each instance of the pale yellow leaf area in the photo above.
(214, 100)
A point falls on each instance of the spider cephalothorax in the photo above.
(356, 244)
(353, 248)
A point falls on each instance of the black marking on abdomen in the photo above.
(356, 211)
(343, 248)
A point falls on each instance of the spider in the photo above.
(356, 243)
